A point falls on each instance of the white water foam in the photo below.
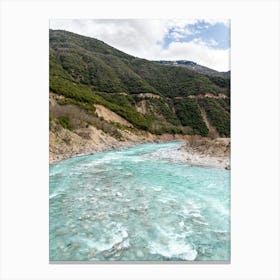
(174, 250)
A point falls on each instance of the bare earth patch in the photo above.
(110, 116)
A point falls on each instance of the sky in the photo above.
(204, 41)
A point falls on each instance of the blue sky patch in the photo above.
(215, 36)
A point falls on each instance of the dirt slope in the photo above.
(110, 116)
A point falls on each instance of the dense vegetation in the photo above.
(87, 71)
(103, 68)
(85, 98)
(221, 82)
(173, 81)
(160, 107)
(189, 114)
(217, 116)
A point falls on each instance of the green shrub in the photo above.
(71, 90)
(64, 121)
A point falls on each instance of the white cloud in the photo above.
(179, 32)
(198, 52)
(213, 43)
(144, 38)
(128, 35)
(225, 22)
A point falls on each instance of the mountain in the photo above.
(195, 67)
(96, 89)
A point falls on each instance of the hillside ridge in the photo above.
(195, 66)
(96, 89)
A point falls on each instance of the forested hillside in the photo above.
(151, 97)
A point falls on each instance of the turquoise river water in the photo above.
(143, 203)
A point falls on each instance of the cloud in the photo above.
(198, 52)
(128, 35)
(145, 38)
(225, 22)
(180, 32)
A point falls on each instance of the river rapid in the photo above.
(143, 203)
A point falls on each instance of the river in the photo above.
(143, 203)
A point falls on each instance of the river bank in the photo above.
(207, 152)
(196, 150)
